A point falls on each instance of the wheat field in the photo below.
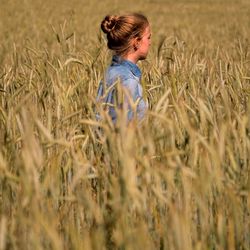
(179, 180)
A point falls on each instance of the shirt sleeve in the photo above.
(99, 92)
(135, 90)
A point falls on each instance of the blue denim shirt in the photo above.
(129, 75)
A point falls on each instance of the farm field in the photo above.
(179, 180)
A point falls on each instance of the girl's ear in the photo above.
(136, 43)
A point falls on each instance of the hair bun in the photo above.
(108, 23)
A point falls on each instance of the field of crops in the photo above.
(179, 180)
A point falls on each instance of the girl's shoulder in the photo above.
(119, 72)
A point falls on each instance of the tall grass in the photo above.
(179, 180)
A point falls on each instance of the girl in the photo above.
(128, 37)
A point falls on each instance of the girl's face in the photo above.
(144, 44)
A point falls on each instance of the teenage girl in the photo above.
(129, 37)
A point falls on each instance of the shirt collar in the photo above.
(117, 60)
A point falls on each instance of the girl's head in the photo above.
(127, 34)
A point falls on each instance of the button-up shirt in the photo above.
(128, 74)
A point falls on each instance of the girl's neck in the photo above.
(131, 57)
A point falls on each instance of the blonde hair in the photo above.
(121, 30)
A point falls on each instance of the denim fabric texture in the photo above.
(129, 75)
